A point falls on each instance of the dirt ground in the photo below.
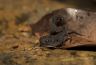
(17, 44)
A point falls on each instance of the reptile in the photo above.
(63, 24)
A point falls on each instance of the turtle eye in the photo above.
(58, 20)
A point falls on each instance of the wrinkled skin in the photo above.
(53, 40)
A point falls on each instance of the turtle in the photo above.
(68, 27)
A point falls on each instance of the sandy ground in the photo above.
(17, 44)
